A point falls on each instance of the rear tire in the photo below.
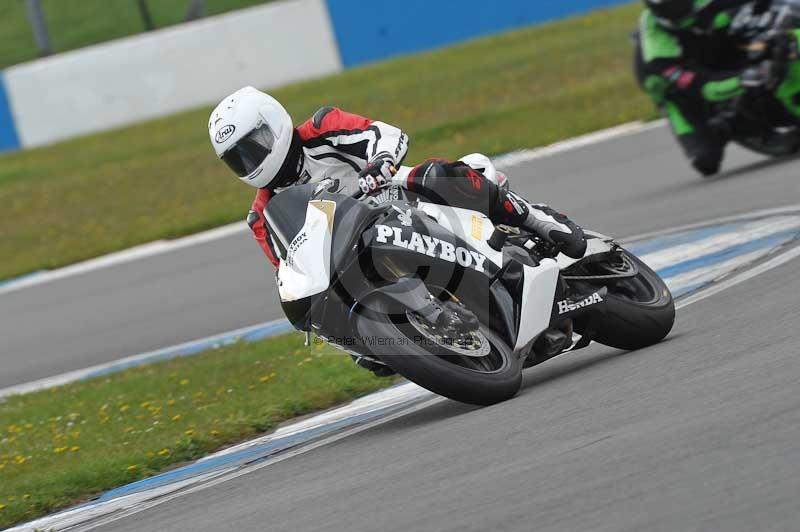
(630, 324)
(428, 365)
(774, 149)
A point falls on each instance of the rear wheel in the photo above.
(476, 368)
(639, 309)
(774, 146)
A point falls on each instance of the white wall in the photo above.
(159, 73)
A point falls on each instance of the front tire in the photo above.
(464, 379)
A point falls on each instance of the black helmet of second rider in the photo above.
(675, 14)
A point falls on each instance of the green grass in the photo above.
(76, 23)
(95, 195)
(61, 446)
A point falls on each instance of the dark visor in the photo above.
(250, 151)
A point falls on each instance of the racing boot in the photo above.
(706, 146)
(460, 185)
(545, 222)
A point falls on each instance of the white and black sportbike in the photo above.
(446, 299)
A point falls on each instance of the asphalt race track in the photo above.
(698, 433)
(623, 187)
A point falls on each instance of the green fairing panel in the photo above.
(789, 91)
(657, 43)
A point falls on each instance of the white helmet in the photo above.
(252, 132)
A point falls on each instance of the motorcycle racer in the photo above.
(254, 135)
(687, 61)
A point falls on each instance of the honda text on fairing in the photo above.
(447, 299)
(723, 71)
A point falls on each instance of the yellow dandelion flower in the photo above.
(2, 507)
(188, 432)
(171, 402)
(124, 408)
(163, 452)
(131, 468)
(26, 496)
(59, 450)
(265, 378)
(74, 448)
(184, 382)
(145, 404)
(20, 459)
(176, 417)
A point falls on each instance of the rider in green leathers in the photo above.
(687, 61)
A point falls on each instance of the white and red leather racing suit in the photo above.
(338, 145)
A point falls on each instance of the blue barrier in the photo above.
(378, 29)
(8, 130)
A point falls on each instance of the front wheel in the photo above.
(480, 369)
(639, 309)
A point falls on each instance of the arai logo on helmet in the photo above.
(224, 133)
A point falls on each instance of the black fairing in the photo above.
(297, 312)
(286, 214)
(485, 289)
(362, 262)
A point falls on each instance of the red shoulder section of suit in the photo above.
(334, 120)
